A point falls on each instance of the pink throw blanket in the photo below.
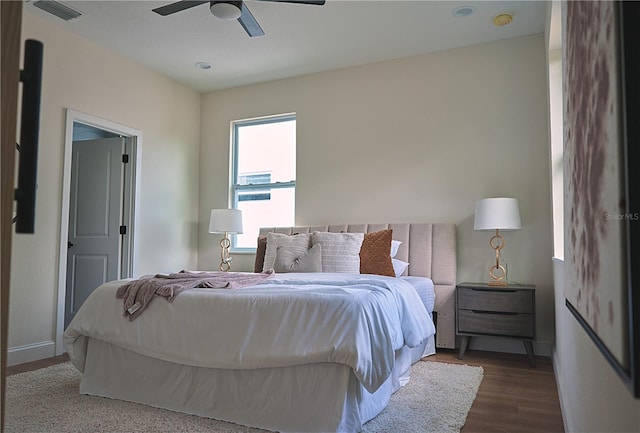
(138, 293)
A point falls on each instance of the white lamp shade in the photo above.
(497, 213)
(225, 221)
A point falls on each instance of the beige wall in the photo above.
(82, 76)
(415, 139)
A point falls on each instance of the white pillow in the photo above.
(296, 244)
(399, 266)
(395, 245)
(340, 251)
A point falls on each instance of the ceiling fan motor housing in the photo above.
(226, 10)
(229, 10)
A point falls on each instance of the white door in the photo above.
(95, 211)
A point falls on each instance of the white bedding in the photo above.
(319, 398)
(425, 289)
(291, 319)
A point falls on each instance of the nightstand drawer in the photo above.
(497, 300)
(511, 325)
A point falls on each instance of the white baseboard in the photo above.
(30, 352)
(508, 345)
(558, 374)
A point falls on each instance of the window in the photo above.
(556, 122)
(263, 180)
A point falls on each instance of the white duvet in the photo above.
(290, 319)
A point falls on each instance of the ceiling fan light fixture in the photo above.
(226, 10)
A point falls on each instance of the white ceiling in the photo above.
(299, 39)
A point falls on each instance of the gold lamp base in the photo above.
(497, 283)
(225, 258)
(497, 272)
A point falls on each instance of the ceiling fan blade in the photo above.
(177, 7)
(249, 23)
(303, 2)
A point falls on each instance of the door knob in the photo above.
(69, 244)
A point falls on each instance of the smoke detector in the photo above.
(502, 19)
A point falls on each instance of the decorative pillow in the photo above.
(340, 251)
(287, 261)
(374, 254)
(395, 245)
(399, 266)
(262, 248)
(297, 244)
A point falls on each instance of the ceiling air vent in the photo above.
(58, 9)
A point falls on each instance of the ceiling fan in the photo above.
(230, 10)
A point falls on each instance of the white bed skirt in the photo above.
(322, 397)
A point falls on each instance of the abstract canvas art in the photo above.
(601, 215)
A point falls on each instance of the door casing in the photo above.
(129, 259)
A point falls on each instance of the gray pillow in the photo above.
(297, 244)
(289, 261)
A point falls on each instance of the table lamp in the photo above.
(497, 214)
(225, 221)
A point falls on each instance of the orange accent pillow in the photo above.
(374, 253)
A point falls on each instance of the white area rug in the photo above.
(437, 399)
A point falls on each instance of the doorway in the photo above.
(97, 234)
(94, 246)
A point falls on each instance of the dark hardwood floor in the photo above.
(513, 397)
(35, 365)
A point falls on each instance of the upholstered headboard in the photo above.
(430, 250)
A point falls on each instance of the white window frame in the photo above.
(237, 189)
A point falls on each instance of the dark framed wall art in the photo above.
(602, 177)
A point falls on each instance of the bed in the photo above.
(430, 250)
(279, 355)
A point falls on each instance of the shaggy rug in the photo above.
(437, 399)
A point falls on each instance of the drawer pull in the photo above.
(500, 313)
(495, 290)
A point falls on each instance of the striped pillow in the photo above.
(340, 251)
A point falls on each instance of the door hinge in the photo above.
(123, 230)
(125, 158)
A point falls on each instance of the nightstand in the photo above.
(498, 311)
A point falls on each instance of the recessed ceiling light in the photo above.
(502, 19)
(203, 65)
(463, 11)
